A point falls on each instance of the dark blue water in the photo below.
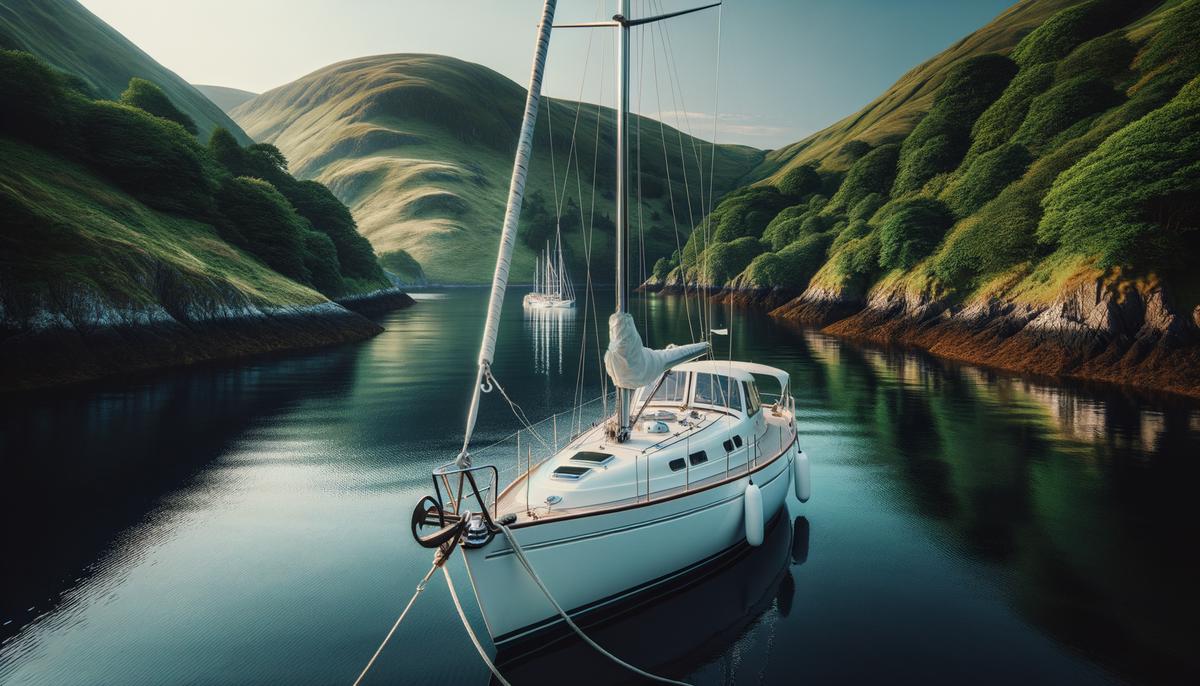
(247, 523)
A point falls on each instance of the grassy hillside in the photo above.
(1057, 143)
(70, 38)
(420, 148)
(116, 207)
(224, 97)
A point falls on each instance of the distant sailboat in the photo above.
(551, 286)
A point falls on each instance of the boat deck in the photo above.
(652, 451)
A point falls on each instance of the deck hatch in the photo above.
(591, 457)
(570, 472)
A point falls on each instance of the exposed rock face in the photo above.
(81, 336)
(1101, 328)
(818, 306)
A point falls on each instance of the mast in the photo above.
(508, 235)
(624, 395)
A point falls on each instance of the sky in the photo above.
(787, 68)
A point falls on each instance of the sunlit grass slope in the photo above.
(68, 37)
(420, 148)
(71, 236)
(224, 97)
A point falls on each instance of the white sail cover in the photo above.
(632, 365)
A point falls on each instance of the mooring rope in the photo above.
(519, 553)
(413, 599)
(471, 632)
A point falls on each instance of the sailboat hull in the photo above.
(593, 561)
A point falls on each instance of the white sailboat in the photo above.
(692, 465)
(552, 287)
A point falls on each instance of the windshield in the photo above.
(716, 389)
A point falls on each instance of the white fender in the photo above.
(754, 515)
(800, 478)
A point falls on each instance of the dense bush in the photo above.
(316, 203)
(1000, 121)
(866, 208)
(855, 229)
(723, 261)
(1174, 40)
(746, 212)
(34, 104)
(853, 151)
(265, 221)
(780, 234)
(321, 261)
(794, 266)
(1101, 57)
(1058, 35)
(148, 97)
(873, 173)
(858, 259)
(1056, 110)
(999, 236)
(800, 181)
(403, 265)
(1134, 199)
(153, 159)
(986, 176)
(912, 231)
(940, 140)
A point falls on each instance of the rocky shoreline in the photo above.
(91, 340)
(1097, 329)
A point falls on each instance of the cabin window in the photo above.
(753, 401)
(737, 440)
(676, 464)
(698, 458)
(717, 389)
(728, 445)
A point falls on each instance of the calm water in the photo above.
(248, 523)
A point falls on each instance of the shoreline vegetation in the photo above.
(1099, 330)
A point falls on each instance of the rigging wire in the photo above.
(671, 196)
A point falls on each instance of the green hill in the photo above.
(1057, 144)
(126, 243)
(70, 38)
(224, 97)
(420, 148)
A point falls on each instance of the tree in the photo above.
(148, 97)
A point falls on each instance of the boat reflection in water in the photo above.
(552, 329)
(673, 633)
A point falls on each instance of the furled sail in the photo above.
(631, 364)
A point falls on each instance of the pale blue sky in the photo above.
(788, 67)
